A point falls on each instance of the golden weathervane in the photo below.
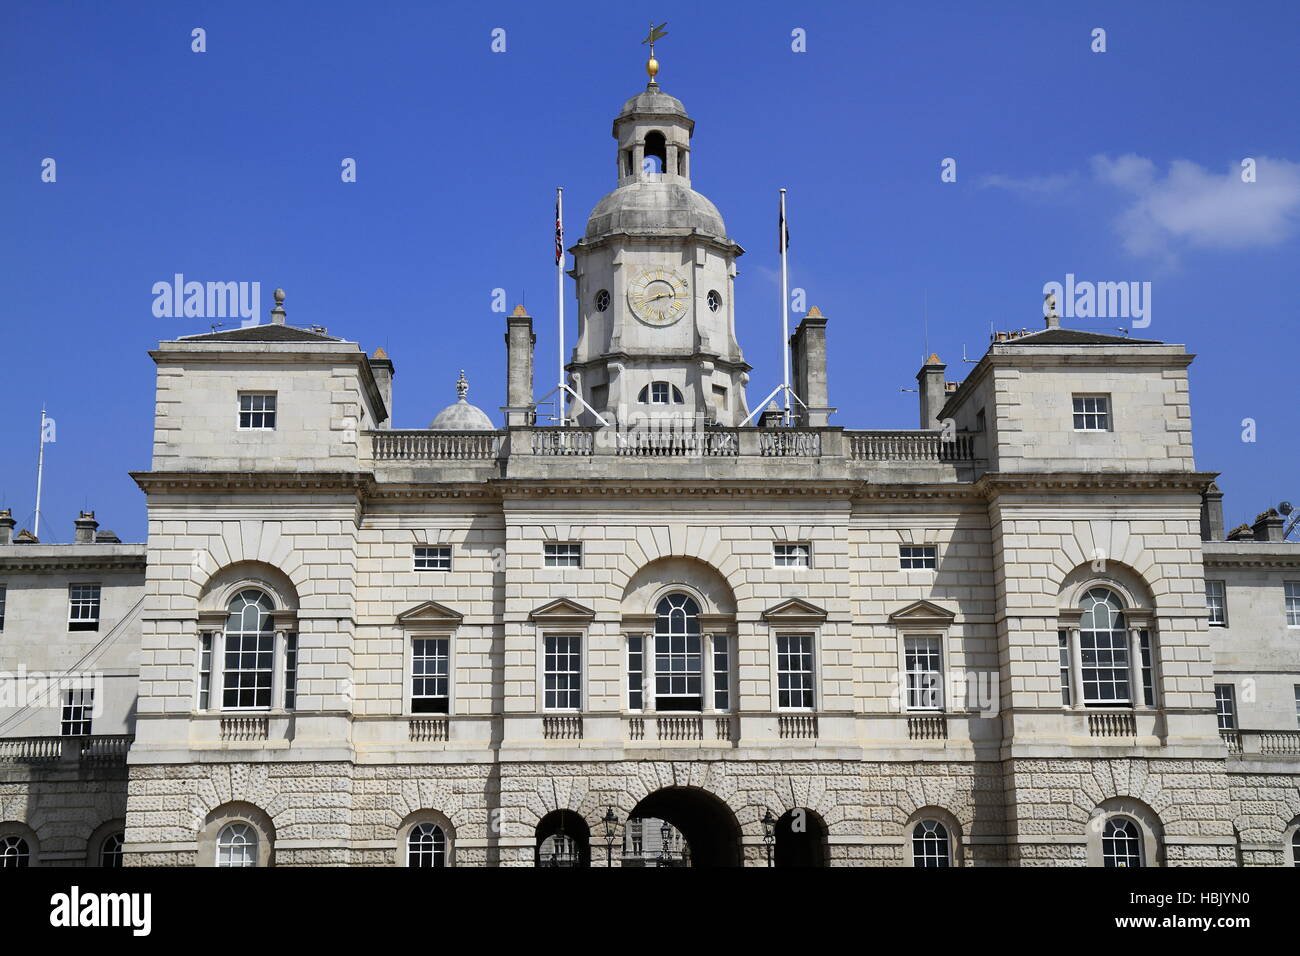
(656, 32)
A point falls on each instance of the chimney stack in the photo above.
(1268, 526)
(519, 368)
(932, 390)
(808, 356)
(1212, 513)
(1052, 320)
(86, 525)
(7, 527)
(381, 366)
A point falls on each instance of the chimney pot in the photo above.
(86, 525)
(1268, 526)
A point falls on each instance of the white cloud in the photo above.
(1031, 185)
(1196, 208)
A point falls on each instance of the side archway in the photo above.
(801, 839)
(563, 839)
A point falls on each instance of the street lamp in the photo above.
(769, 832)
(665, 832)
(611, 822)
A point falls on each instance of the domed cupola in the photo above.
(655, 277)
(462, 416)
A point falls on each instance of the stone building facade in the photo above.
(986, 641)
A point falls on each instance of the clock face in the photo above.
(657, 297)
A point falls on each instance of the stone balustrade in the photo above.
(95, 748)
(649, 441)
(909, 446)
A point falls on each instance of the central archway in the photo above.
(704, 821)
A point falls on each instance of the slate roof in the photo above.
(1075, 337)
(262, 333)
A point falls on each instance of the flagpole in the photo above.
(40, 472)
(785, 315)
(559, 289)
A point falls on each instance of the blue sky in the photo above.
(225, 166)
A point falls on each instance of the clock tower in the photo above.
(655, 276)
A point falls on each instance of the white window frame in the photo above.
(926, 554)
(779, 671)
(792, 554)
(439, 850)
(722, 644)
(275, 686)
(1094, 409)
(923, 831)
(408, 688)
(641, 690)
(435, 557)
(1225, 706)
(241, 411)
(1125, 645)
(914, 700)
(545, 670)
(654, 649)
(234, 838)
(210, 654)
(1291, 599)
(94, 604)
(1138, 836)
(77, 715)
(1216, 590)
(562, 554)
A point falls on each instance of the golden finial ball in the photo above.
(652, 67)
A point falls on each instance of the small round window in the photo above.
(715, 301)
(602, 300)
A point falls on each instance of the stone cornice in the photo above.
(655, 237)
(714, 488)
(310, 482)
(994, 484)
(1255, 559)
(14, 558)
(365, 486)
(915, 491)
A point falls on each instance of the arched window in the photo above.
(237, 845)
(249, 663)
(930, 844)
(661, 393)
(1103, 650)
(110, 850)
(656, 152)
(679, 669)
(1121, 843)
(426, 845)
(14, 852)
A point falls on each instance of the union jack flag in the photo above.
(559, 233)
